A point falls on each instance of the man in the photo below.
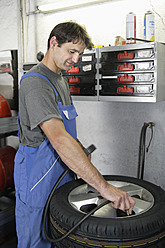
(48, 139)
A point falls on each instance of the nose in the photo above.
(75, 57)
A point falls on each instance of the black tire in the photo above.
(142, 230)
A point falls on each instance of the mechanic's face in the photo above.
(67, 54)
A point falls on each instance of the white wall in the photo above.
(8, 40)
(113, 127)
(9, 25)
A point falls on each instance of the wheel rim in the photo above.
(84, 198)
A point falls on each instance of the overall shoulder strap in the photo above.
(36, 74)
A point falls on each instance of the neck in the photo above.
(49, 62)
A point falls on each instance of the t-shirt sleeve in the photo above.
(41, 106)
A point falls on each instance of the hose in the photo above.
(77, 224)
(48, 202)
(87, 151)
(143, 149)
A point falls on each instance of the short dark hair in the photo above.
(70, 31)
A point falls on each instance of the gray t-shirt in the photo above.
(38, 103)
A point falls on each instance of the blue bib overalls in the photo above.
(36, 172)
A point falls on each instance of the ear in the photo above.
(53, 42)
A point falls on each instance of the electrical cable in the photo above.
(141, 152)
(152, 132)
(143, 149)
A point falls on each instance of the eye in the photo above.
(71, 51)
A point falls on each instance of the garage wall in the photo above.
(103, 21)
(8, 40)
(113, 127)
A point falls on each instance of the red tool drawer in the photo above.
(126, 79)
(73, 70)
(73, 90)
(125, 56)
(125, 90)
(73, 80)
(125, 67)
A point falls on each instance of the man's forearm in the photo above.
(73, 155)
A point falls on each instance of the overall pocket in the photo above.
(43, 175)
(20, 175)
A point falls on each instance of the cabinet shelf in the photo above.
(8, 126)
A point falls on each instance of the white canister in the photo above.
(130, 27)
(149, 26)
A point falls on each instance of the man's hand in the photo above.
(119, 199)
